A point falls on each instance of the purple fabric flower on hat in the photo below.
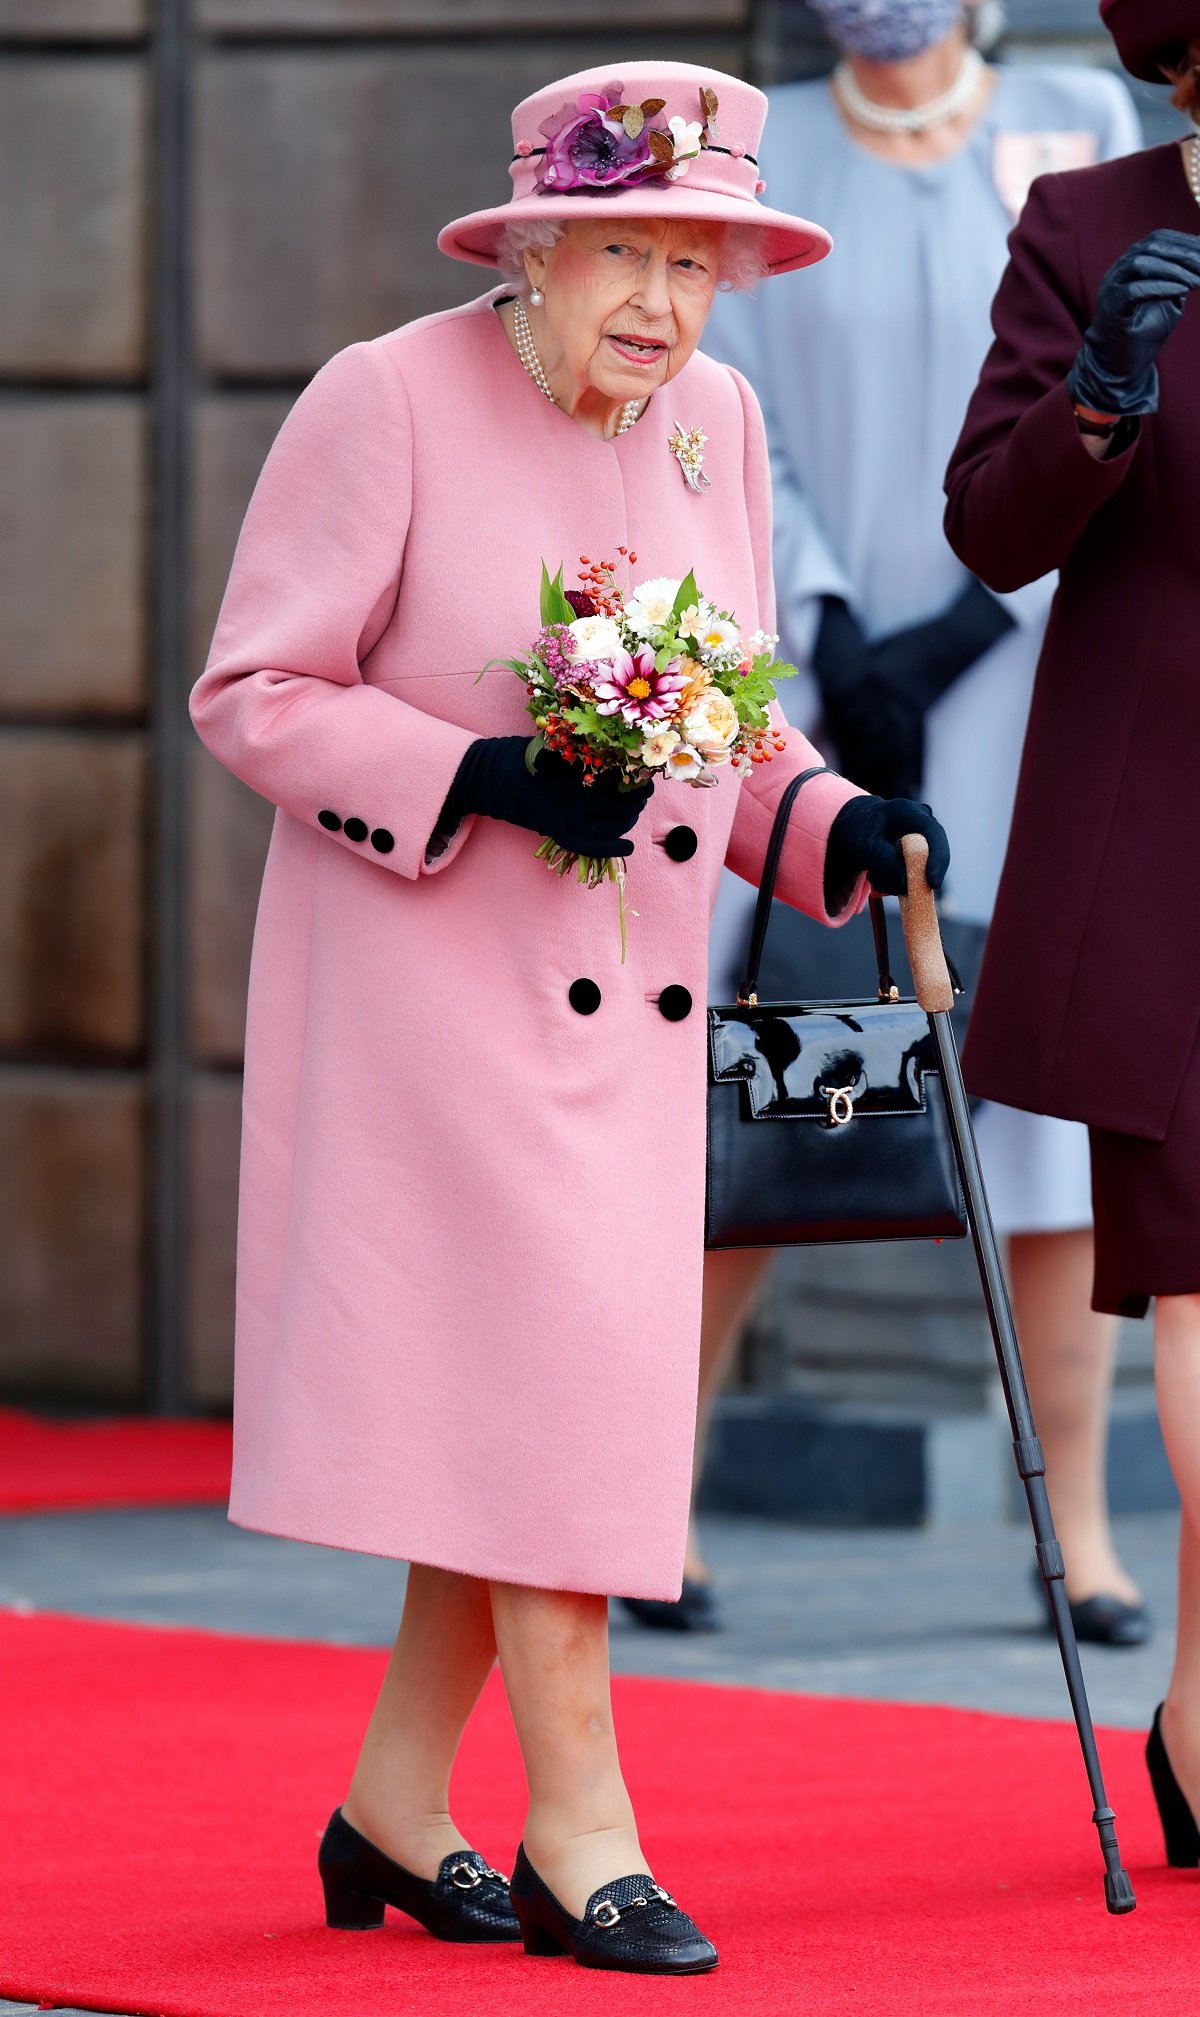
(593, 152)
(585, 149)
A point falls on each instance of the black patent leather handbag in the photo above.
(826, 1120)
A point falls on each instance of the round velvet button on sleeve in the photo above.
(330, 821)
(355, 829)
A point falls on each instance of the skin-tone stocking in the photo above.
(1069, 1353)
(399, 1797)
(1177, 1378)
(579, 1830)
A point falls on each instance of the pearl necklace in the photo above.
(911, 118)
(1193, 164)
(527, 352)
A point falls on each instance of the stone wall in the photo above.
(200, 200)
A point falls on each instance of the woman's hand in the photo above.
(865, 840)
(552, 799)
(1140, 302)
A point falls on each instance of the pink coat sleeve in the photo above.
(282, 702)
(802, 870)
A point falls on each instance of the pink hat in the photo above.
(652, 140)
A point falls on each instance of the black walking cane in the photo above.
(935, 994)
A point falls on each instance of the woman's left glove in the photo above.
(865, 840)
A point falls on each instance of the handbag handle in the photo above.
(748, 991)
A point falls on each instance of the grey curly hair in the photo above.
(741, 261)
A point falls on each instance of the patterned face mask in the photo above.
(886, 31)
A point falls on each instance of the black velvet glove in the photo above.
(865, 840)
(493, 778)
(1140, 301)
(876, 696)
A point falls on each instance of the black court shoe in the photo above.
(695, 1610)
(631, 1924)
(1180, 1833)
(1102, 1620)
(467, 1900)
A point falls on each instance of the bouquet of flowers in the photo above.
(647, 682)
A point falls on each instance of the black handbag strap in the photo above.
(748, 991)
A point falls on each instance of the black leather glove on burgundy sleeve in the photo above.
(1138, 305)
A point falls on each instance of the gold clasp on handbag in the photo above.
(841, 1104)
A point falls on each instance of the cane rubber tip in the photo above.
(1118, 1892)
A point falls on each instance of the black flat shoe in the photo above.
(631, 1924)
(1180, 1833)
(467, 1900)
(1104, 1620)
(695, 1611)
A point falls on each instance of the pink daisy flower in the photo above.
(634, 689)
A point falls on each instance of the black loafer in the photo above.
(467, 1900)
(631, 1924)
(1104, 1620)
(694, 1611)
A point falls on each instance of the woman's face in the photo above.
(626, 300)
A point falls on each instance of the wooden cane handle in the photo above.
(922, 935)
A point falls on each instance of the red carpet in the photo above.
(165, 1792)
(54, 1467)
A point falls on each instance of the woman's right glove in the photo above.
(1140, 301)
(552, 799)
(865, 840)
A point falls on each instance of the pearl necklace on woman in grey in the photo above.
(527, 352)
(911, 118)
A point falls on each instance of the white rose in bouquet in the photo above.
(593, 637)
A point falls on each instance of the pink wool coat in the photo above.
(471, 1218)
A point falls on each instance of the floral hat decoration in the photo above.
(660, 140)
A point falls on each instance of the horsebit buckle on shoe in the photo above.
(608, 1915)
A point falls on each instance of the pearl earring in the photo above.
(536, 297)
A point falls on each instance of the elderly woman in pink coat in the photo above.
(471, 1215)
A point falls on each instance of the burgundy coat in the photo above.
(1089, 1000)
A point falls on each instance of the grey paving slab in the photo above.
(943, 1615)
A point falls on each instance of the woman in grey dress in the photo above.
(863, 385)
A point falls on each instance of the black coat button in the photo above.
(355, 829)
(330, 821)
(382, 841)
(584, 997)
(681, 843)
(675, 1003)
